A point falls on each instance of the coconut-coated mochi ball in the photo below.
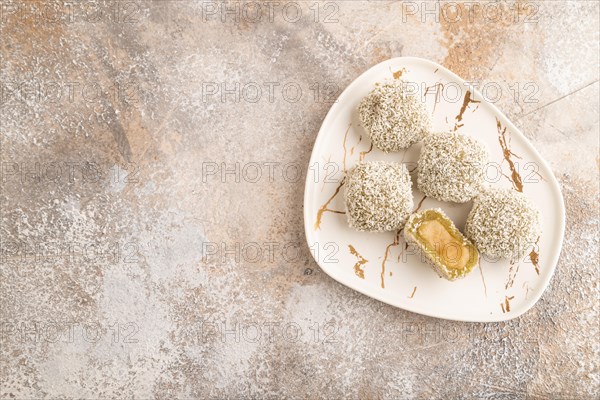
(378, 196)
(451, 167)
(503, 223)
(393, 118)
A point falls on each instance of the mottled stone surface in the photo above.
(132, 268)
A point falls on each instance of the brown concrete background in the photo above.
(124, 275)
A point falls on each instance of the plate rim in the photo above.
(553, 262)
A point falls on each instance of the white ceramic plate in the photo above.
(370, 262)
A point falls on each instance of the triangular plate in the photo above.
(372, 263)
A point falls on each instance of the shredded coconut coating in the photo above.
(435, 262)
(503, 223)
(393, 118)
(451, 167)
(378, 196)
